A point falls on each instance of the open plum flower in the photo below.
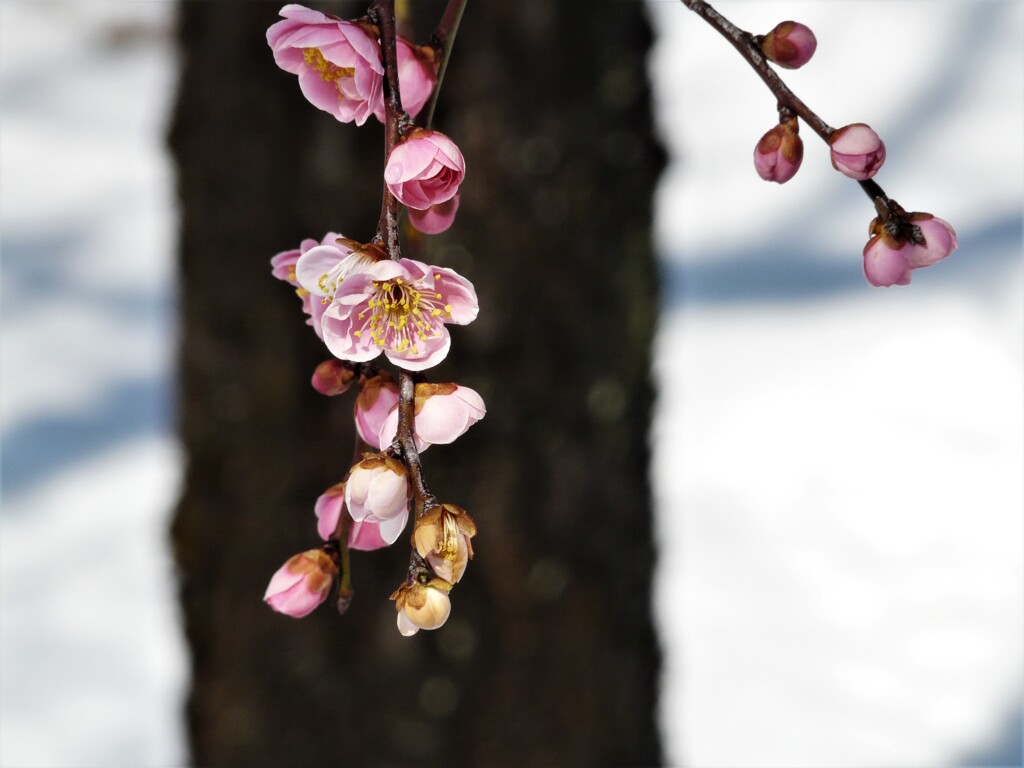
(399, 308)
(443, 412)
(321, 269)
(338, 62)
(282, 266)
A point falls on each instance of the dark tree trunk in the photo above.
(549, 657)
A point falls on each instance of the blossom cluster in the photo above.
(857, 152)
(364, 302)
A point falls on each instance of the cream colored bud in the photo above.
(423, 606)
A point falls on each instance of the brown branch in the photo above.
(442, 40)
(384, 13)
(747, 46)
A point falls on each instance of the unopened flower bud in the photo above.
(435, 219)
(332, 377)
(416, 77)
(885, 262)
(778, 154)
(377, 489)
(328, 510)
(424, 169)
(422, 606)
(442, 538)
(890, 256)
(857, 151)
(443, 412)
(377, 396)
(301, 584)
(789, 45)
(939, 241)
(365, 536)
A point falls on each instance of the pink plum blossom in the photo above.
(301, 584)
(885, 265)
(435, 219)
(889, 260)
(416, 76)
(338, 62)
(939, 241)
(778, 154)
(857, 151)
(399, 308)
(363, 535)
(321, 269)
(377, 396)
(377, 489)
(443, 412)
(328, 510)
(424, 169)
(790, 45)
(284, 266)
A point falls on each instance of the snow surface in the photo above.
(838, 472)
(92, 662)
(839, 506)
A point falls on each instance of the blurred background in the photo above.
(832, 575)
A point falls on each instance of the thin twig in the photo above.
(746, 44)
(442, 40)
(384, 13)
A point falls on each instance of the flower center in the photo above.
(402, 314)
(328, 72)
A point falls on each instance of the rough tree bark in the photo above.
(550, 657)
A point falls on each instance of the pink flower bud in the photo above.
(857, 151)
(377, 396)
(332, 377)
(789, 45)
(442, 538)
(338, 62)
(778, 154)
(443, 413)
(435, 219)
(328, 510)
(939, 241)
(885, 264)
(889, 259)
(301, 584)
(425, 169)
(422, 606)
(416, 76)
(377, 489)
(365, 536)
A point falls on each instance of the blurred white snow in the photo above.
(92, 661)
(837, 468)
